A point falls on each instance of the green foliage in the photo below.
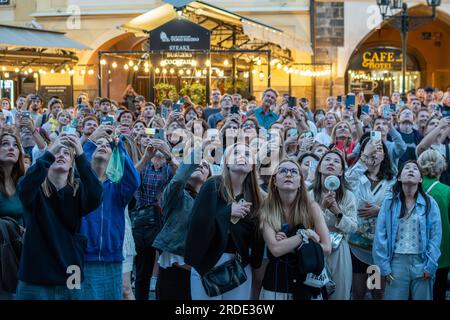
(166, 91)
(195, 91)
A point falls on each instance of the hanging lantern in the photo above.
(114, 65)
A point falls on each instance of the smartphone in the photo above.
(235, 109)
(339, 99)
(176, 107)
(74, 123)
(292, 102)
(375, 136)
(401, 103)
(108, 120)
(293, 132)
(164, 112)
(387, 111)
(158, 111)
(26, 114)
(211, 134)
(150, 131)
(8, 120)
(312, 167)
(365, 108)
(159, 134)
(350, 101)
(393, 107)
(285, 228)
(376, 99)
(69, 130)
(182, 100)
(79, 100)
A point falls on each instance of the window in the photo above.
(4, 2)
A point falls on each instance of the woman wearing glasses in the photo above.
(286, 209)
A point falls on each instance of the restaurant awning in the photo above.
(13, 36)
(214, 18)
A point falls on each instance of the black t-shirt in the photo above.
(411, 144)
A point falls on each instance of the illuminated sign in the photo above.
(382, 60)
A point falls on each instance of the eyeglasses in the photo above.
(284, 171)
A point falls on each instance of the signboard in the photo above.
(179, 60)
(381, 59)
(367, 86)
(63, 92)
(180, 35)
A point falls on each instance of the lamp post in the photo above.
(404, 23)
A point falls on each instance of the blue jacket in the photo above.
(105, 226)
(387, 228)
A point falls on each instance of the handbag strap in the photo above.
(431, 187)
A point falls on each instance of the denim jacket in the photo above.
(177, 205)
(387, 228)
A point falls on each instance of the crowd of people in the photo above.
(241, 199)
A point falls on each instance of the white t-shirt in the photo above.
(323, 138)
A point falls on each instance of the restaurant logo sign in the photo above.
(180, 35)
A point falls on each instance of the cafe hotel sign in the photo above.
(379, 59)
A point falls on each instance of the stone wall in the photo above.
(329, 33)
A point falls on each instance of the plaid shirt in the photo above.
(153, 184)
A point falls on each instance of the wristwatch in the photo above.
(339, 215)
(169, 158)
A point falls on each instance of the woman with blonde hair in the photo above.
(287, 210)
(54, 202)
(432, 164)
(223, 228)
(63, 118)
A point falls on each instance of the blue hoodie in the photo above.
(105, 226)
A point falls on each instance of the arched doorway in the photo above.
(375, 65)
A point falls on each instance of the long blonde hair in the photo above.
(272, 212)
(71, 181)
(250, 186)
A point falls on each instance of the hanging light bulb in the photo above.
(3, 68)
(114, 65)
(163, 63)
(72, 72)
(52, 71)
(147, 70)
(194, 63)
(278, 65)
(126, 67)
(63, 71)
(286, 69)
(205, 71)
(221, 74)
(188, 72)
(103, 62)
(91, 72)
(261, 75)
(35, 75)
(6, 75)
(157, 70)
(26, 73)
(131, 63)
(30, 70)
(16, 70)
(273, 62)
(254, 71)
(198, 74)
(172, 70)
(164, 71)
(83, 72)
(207, 63)
(135, 68)
(246, 75)
(225, 62)
(146, 65)
(258, 62)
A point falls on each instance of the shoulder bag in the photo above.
(224, 277)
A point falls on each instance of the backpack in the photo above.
(11, 238)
